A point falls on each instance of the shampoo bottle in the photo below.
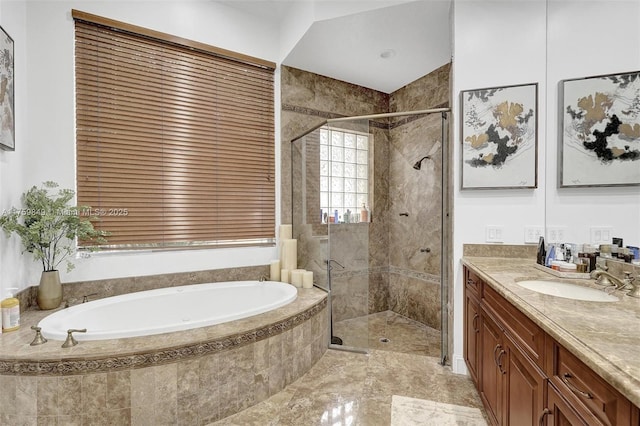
(10, 312)
(364, 214)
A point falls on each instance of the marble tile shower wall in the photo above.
(414, 243)
(414, 275)
(384, 266)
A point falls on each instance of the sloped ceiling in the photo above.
(415, 35)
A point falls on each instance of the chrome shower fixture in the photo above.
(418, 165)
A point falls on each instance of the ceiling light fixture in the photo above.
(387, 54)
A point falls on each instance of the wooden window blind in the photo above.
(175, 142)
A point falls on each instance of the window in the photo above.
(175, 139)
(344, 174)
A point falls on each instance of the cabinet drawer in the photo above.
(473, 283)
(562, 413)
(524, 332)
(582, 386)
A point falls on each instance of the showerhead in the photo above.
(418, 165)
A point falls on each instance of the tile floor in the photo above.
(346, 388)
(401, 333)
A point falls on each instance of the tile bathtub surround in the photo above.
(73, 292)
(236, 365)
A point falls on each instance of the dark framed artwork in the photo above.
(600, 130)
(500, 137)
(7, 93)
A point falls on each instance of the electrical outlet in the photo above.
(555, 234)
(495, 234)
(601, 234)
(532, 234)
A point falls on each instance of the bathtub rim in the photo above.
(60, 335)
(18, 358)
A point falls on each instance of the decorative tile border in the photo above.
(390, 269)
(164, 356)
(415, 274)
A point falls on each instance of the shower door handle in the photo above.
(328, 261)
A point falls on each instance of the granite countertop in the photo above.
(15, 346)
(604, 335)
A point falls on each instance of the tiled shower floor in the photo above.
(389, 331)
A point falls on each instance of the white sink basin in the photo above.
(568, 291)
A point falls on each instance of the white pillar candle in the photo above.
(307, 279)
(296, 277)
(286, 232)
(289, 258)
(274, 272)
(284, 276)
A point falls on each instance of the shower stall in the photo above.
(367, 210)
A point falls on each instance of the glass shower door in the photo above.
(329, 169)
(345, 166)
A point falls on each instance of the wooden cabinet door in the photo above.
(524, 388)
(560, 413)
(472, 335)
(490, 372)
(582, 387)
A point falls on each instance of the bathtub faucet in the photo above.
(71, 341)
(86, 297)
(263, 278)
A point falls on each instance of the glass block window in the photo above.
(344, 174)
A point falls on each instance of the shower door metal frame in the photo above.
(444, 238)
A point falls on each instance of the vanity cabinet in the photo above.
(525, 386)
(511, 385)
(472, 324)
(558, 412)
(491, 368)
(523, 376)
(583, 388)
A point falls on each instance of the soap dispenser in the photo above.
(10, 312)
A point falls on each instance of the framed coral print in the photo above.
(600, 130)
(500, 137)
(7, 104)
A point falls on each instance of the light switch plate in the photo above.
(601, 234)
(532, 234)
(494, 234)
(556, 234)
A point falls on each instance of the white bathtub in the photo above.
(167, 309)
